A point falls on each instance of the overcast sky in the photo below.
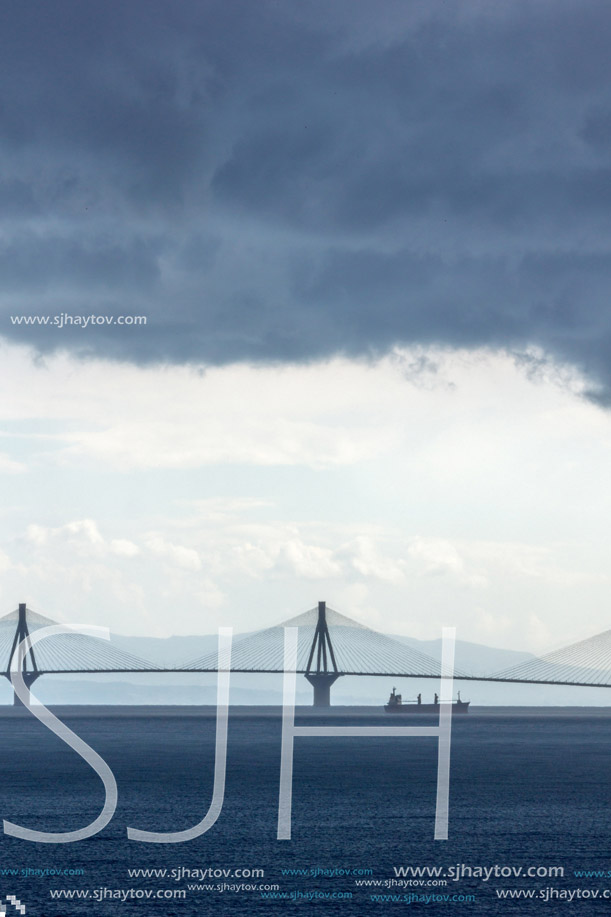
(371, 244)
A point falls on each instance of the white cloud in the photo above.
(209, 596)
(10, 466)
(5, 562)
(307, 561)
(180, 556)
(81, 530)
(37, 534)
(440, 557)
(363, 555)
(228, 563)
(437, 555)
(413, 492)
(83, 534)
(124, 548)
(258, 416)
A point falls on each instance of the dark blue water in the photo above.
(525, 791)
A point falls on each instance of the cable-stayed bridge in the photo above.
(330, 645)
(70, 652)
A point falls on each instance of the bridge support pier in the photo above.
(321, 682)
(29, 679)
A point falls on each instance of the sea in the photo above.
(529, 816)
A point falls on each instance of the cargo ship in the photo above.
(397, 705)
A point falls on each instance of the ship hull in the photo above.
(460, 707)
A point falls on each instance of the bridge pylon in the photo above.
(26, 662)
(321, 670)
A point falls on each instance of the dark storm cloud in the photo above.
(287, 181)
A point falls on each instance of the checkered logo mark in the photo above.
(13, 906)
